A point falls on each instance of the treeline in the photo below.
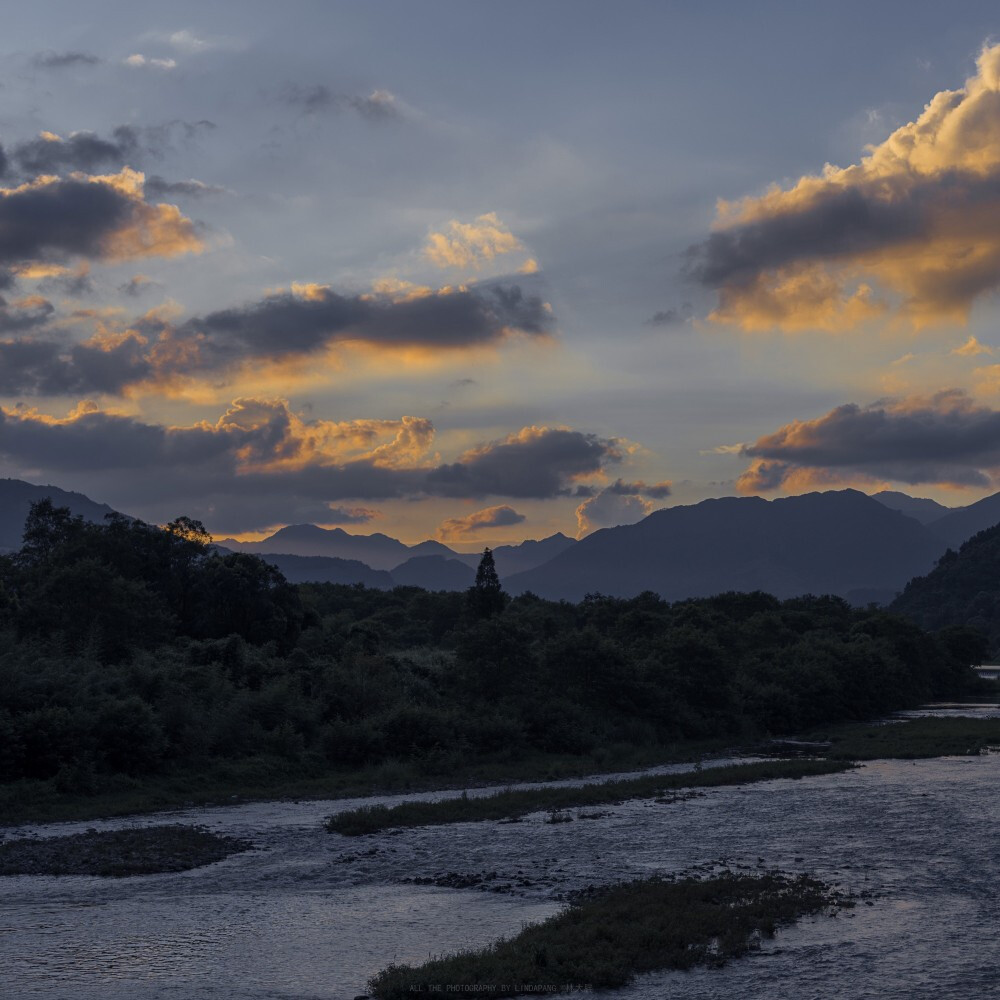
(962, 589)
(134, 650)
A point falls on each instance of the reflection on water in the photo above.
(312, 915)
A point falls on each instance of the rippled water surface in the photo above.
(312, 915)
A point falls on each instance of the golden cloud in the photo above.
(458, 528)
(911, 232)
(472, 244)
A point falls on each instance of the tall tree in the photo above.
(486, 596)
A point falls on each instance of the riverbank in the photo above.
(269, 779)
(511, 805)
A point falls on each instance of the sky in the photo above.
(486, 272)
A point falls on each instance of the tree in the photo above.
(486, 597)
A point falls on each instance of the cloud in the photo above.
(535, 462)
(971, 348)
(658, 491)
(138, 285)
(61, 60)
(608, 509)
(308, 320)
(99, 217)
(268, 459)
(24, 314)
(911, 232)
(457, 528)
(670, 317)
(471, 244)
(944, 439)
(157, 187)
(379, 105)
(127, 145)
(138, 61)
(83, 151)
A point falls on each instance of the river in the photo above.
(309, 915)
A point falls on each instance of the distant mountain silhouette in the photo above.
(377, 550)
(434, 573)
(820, 543)
(962, 524)
(328, 569)
(17, 496)
(920, 509)
(963, 589)
(524, 556)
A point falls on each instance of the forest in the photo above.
(132, 650)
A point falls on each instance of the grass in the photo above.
(604, 942)
(924, 737)
(137, 851)
(512, 804)
(259, 779)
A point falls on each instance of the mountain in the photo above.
(527, 555)
(328, 569)
(820, 543)
(434, 573)
(17, 496)
(377, 550)
(963, 523)
(963, 589)
(920, 509)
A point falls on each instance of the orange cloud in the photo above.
(458, 528)
(911, 232)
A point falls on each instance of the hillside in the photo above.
(836, 542)
(960, 525)
(17, 496)
(919, 508)
(963, 589)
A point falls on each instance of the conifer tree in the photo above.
(486, 596)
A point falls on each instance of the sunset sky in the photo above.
(484, 272)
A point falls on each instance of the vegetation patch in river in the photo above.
(511, 804)
(137, 851)
(605, 941)
(925, 737)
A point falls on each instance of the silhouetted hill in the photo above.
(17, 496)
(820, 543)
(962, 524)
(328, 569)
(434, 573)
(919, 508)
(963, 589)
(376, 550)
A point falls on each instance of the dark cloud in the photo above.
(379, 105)
(4, 163)
(843, 223)
(24, 315)
(138, 285)
(83, 151)
(65, 217)
(60, 60)
(157, 187)
(127, 145)
(655, 490)
(946, 438)
(670, 317)
(260, 452)
(277, 327)
(74, 285)
(289, 323)
(537, 462)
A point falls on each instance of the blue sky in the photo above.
(496, 222)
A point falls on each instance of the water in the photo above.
(312, 915)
